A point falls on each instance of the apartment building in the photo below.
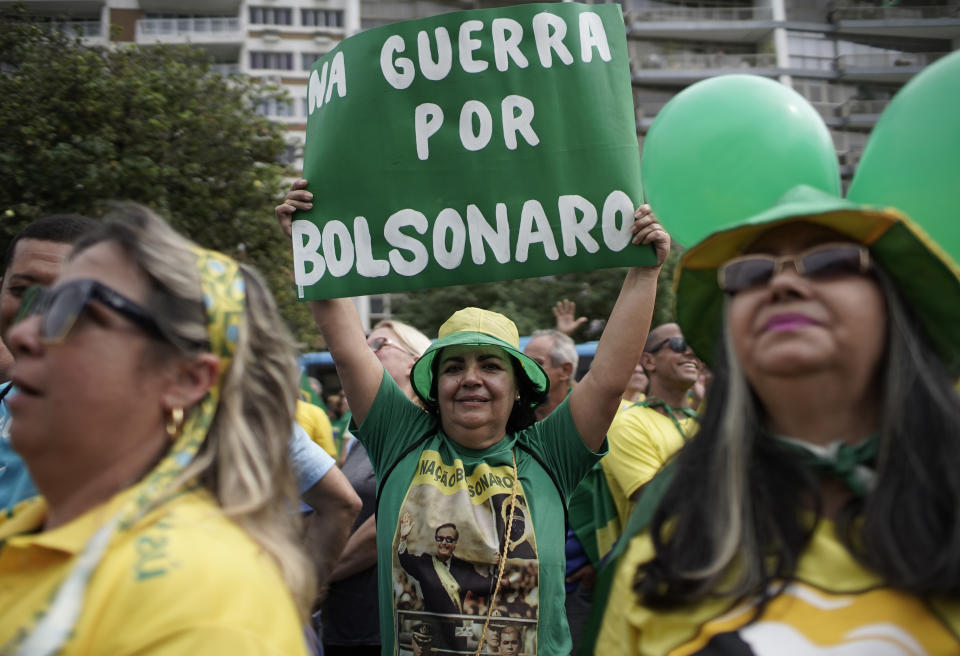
(847, 57)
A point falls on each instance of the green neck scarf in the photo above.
(671, 411)
(852, 464)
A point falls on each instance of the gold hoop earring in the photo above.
(175, 423)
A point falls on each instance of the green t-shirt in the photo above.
(438, 568)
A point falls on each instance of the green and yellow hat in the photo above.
(924, 274)
(475, 327)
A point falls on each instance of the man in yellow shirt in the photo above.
(644, 436)
(314, 420)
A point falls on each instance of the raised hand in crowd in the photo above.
(565, 312)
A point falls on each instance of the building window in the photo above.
(291, 154)
(811, 51)
(271, 16)
(321, 18)
(279, 61)
(307, 59)
(274, 107)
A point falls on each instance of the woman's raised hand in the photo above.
(646, 230)
(298, 198)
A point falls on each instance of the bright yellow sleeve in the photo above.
(637, 451)
(315, 421)
(618, 632)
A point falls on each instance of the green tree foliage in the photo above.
(530, 302)
(80, 126)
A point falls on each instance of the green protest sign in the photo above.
(470, 147)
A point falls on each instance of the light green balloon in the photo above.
(912, 160)
(729, 147)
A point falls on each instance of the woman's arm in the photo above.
(594, 401)
(360, 551)
(359, 369)
(335, 506)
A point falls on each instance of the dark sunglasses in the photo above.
(677, 345)
(445, 538)
(59, 308)
(824, 261)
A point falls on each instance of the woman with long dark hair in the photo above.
(818, 507)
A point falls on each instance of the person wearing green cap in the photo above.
(476, 458)
(817, 510)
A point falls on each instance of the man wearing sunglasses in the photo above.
(444, 578)
(34, 257)
(643, 436)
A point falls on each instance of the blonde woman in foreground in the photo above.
(155, 385)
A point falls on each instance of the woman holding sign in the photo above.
(472, 491)
(819, 504)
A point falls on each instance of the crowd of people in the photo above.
(778, 475)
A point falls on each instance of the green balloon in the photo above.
(912, 160)
(729, 147)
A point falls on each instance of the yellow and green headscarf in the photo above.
(224, 301)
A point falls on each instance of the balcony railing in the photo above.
(828, 110)
(90, 28)
(225, 69)
(690, 14)
(888, 60)
(686, 61)
(894, 13)
(858, 106)
(649, 109)
(187, 26)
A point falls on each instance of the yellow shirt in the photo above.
(183, 580)
(315, 421)
(641, 440)
(835, 606)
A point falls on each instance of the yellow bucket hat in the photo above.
(475, 327)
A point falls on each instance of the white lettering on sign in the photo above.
(616, 234)
(415, 243)
(506, 35)
(306, 251)
(592, 35)
(367, 266)
(449, 222)
(574, 230)
(468, 45)
(476, 124)
(498, 239)
(435, 70)
(395, 236)
(475, 140)
(320, 87)
(398, 72)
(315, 88)
(549, 30)
(535, 229)
(427, 119)
(515, 121)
